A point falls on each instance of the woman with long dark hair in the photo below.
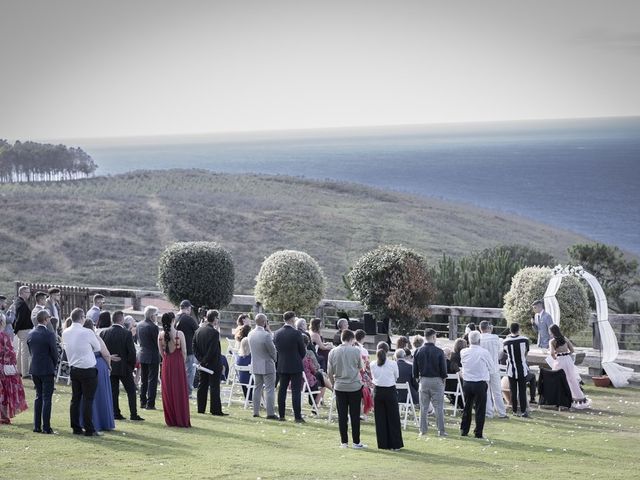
(104, 321)
(175, 394)
(560, 349)
(243, 356)
(385, 401)
(323, 348)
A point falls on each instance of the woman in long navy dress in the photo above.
(243, 357)
(102, 413)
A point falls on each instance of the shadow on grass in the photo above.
(114, 439)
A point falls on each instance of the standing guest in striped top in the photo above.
(517, 348)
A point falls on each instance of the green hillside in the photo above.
(111, 230)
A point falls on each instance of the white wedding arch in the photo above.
(618, 374)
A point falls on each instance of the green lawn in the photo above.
(598, 443)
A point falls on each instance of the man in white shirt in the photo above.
(80, 344)
(41, 299)
(53, 305)
(493, 344)
(476, 365)
(94, 312)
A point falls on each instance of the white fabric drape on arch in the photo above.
(618, 374)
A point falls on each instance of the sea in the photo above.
(580, 175)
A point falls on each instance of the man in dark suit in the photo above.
(149, 358)
(405, 375)
(119, 341)
(44, 356)
(22, 326)
(206, 348)
(341, 325)
(290, 347)
(188, 325)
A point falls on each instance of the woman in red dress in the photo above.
(175, 395)
(12, 399)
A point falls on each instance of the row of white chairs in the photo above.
(235, 386)
(408, 409)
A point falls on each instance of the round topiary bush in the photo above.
(202, 272)
(530, 284)
(290, 280)
(393, 281)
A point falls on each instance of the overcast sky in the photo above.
(95, 68)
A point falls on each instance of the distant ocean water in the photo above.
(581, 175)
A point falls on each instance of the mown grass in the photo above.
(600, 443)
(111, 230)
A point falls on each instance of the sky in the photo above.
(92, 68)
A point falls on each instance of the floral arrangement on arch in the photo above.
(573, 270)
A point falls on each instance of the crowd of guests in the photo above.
(103, 349)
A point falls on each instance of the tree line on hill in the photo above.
(31, 161)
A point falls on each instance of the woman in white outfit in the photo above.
(561, 350)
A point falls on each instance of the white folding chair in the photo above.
(236, 382)
(232, 347)
(309, 394)
(333, 401)
(457, 393)
(406, 406)
(59, 374)
(232, 352)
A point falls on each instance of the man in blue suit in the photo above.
(44, 357)
(541, 323)
(290, 347)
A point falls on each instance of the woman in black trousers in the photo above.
(385, 402)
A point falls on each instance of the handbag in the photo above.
(10, 370)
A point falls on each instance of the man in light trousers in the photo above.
(493, 344)
(263, 366)
(430, 370)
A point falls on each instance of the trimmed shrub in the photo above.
(393, 281)
(530, 284)
(202, 272)
(290, 280)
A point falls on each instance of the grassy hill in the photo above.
(111, 230)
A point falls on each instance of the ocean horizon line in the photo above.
(324, 131)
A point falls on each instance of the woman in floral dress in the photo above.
(12, 399)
